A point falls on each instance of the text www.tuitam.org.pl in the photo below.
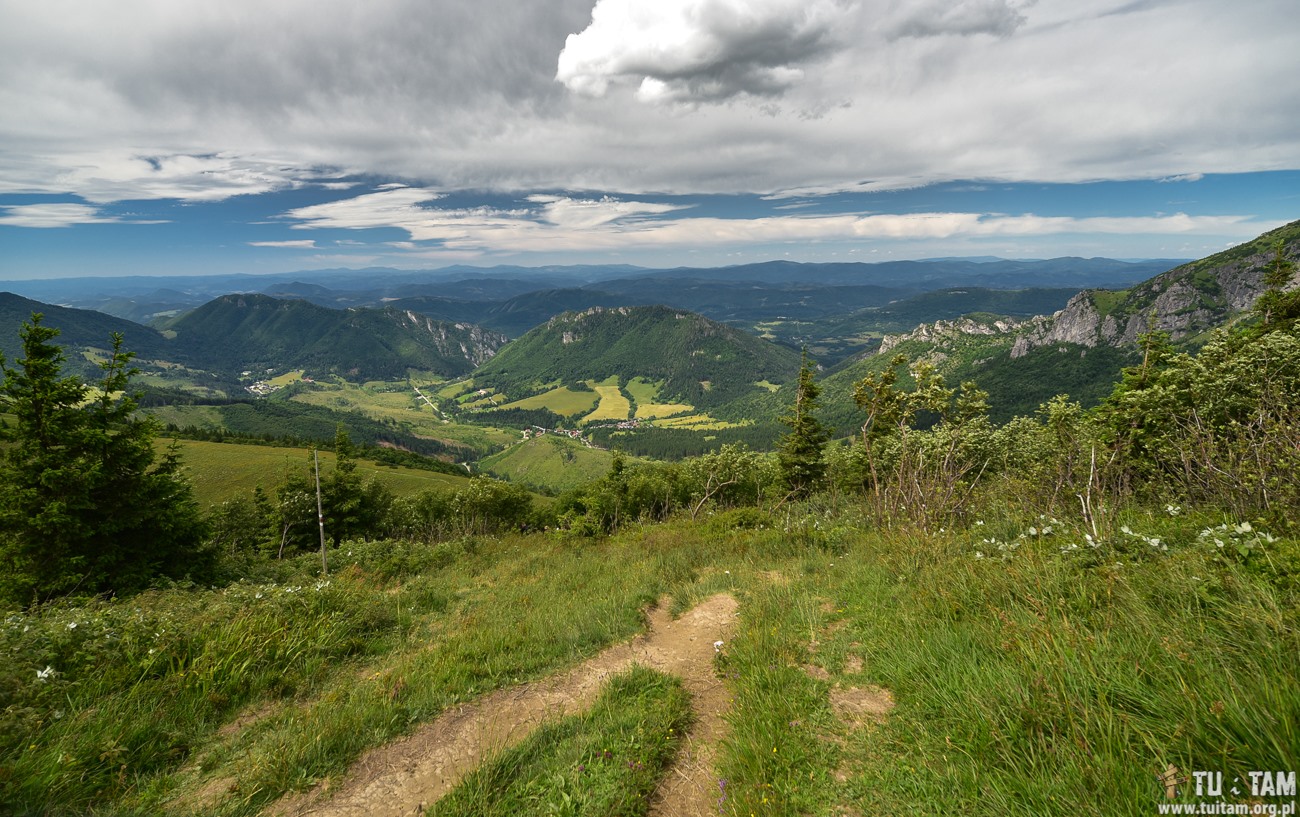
(1216, 795)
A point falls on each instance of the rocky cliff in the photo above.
(1186, 301)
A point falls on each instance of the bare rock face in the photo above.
(1185, 302)
(467, 340)
(942, 330)
(1080, 322)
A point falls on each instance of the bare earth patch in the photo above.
(856, 706)
(404, 777)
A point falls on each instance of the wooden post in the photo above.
(320, 515)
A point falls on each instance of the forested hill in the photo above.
(78, 328)
(251, 331)
(701, 362)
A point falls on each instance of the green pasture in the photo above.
(613, 405)
(222, 471)
(561, 400)
(550, 462)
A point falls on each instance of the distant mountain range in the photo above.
(742, 293)
(723, 340)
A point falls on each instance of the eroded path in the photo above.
(406, 776)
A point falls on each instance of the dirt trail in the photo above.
(406, 776)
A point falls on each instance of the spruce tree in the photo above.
(86, 504)
(799, 454)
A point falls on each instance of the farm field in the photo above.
(562, 400)
(697, 422)
(398, 402)
(646, 395)
(613, 405)
(221, 471)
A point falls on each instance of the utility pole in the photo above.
(320, 515)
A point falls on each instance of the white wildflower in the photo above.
(46, 674)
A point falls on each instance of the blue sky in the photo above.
(162, 138)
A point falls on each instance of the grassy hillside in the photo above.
(868, 672)
(221, 471)
(700, 362)
(549, 462)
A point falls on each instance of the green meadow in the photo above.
(222, 471)
(1009, 670)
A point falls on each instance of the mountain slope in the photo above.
(701, 362)
(236, 332)
(1186, 301)
(79, 329)
(1080, 349)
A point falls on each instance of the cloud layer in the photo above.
(563, 224)
(154, 99)
(582, 129)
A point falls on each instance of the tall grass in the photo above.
(604, 763)
(1032, 676)
(127, 717)
(1035, 670)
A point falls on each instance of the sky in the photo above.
(155, 137)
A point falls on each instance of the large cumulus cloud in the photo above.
(699, 50)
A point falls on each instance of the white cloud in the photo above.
(59, 215)
(578, 214)
(698, 50)
(933, 18)
(306, 244)
(558, 224)
(392, 206)
(106, 176)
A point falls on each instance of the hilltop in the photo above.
(699, 361)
